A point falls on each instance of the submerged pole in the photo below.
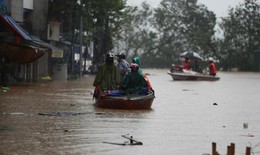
(214, 148)
(248, 151)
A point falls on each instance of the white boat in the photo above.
(191, 75)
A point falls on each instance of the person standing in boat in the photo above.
(212, 67)
(122, 65)
(186, 64)
(108, 76)
(133, 82)
(197, 66)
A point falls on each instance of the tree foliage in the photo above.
(105, 18)
(184, 25)
(241, 35)
(159, 35)
(101, 22)
(137, 38)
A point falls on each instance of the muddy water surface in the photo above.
(58, 117)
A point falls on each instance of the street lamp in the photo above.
(80, 38)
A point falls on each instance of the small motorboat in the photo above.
(179, 72)
(192, 75)
(124, 101)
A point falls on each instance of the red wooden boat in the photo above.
(126, 102)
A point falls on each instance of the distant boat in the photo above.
(178, 72)
(191, 75)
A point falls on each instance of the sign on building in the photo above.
(53, 32)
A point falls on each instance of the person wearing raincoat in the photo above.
(186, 64)
(133, 82)
(108, 76)
(137, 61)
(212, 67)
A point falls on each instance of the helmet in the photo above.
(134, 67)
(109, 58)
(121, 56)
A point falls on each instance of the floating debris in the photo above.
(16, 113)
(131, 141)
(64, 113)
(47, 78)
(5, 128)
(248, 135)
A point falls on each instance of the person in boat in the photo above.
(137, 61)
(122, 65)
(197, 66)
(212, 67)
(108, 76)
(133, 82)
(186, 64)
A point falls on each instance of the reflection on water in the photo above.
(186, 117)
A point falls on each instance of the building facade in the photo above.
(32, 15)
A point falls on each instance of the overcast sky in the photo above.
(219, 7)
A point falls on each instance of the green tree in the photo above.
(137, 38)
(159, 35)
(241, 35)
(103, 23)
(183, 25)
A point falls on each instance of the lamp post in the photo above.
(80, 38)
(80, 54)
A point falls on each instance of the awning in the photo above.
(23, 48)
(21, 54)
(56, 52)
(14, 27)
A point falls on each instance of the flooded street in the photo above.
(58, 118)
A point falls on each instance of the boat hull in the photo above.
(127, 103)
(192, 77)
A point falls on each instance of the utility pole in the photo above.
(80, 38)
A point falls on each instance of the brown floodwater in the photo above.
(58, 118)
